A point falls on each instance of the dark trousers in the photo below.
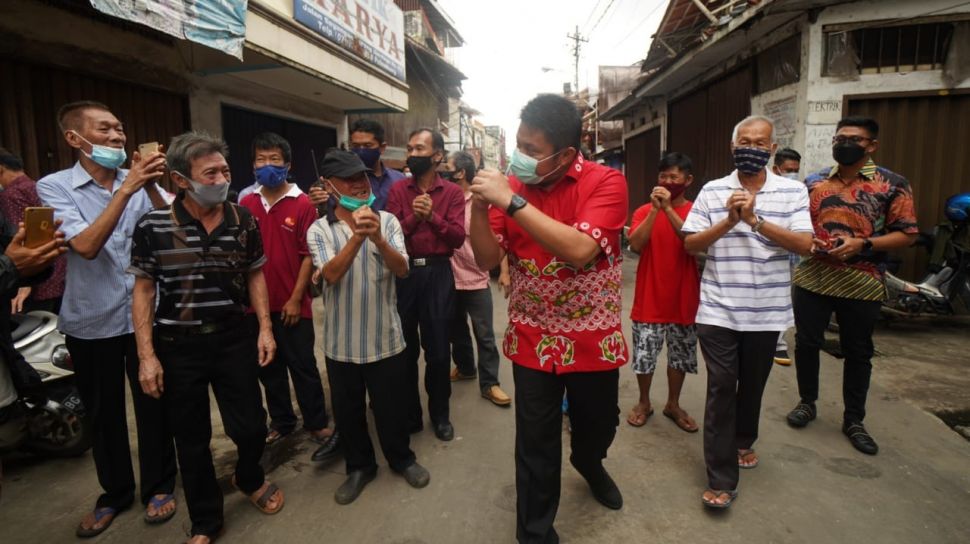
(738, 364)
(294, 358)
(856, 318)
(227, 362)
(350, 383)
(594, 415)
(99, 367)
(477, 305)
(424, 300)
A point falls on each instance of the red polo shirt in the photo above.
(444, 232)
(562, 319)
(283, 228)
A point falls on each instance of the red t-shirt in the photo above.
(668, 286)
(562, 319)
(283, 229)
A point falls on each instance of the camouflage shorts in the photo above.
(648, 339)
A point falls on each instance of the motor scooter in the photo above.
(52, 420)
(945, 289)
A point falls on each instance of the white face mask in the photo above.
(790, 175)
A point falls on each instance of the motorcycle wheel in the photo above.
(65, 433)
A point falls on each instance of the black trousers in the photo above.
(350, 383)
(227, 362)
(856, 318)
(425, 300)
(100, 367)
(738, 364)
(294, 358)
(594, 415)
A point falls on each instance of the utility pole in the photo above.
(577, 38)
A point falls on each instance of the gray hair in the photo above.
(186, 147)
(464, 161)
(753, 119)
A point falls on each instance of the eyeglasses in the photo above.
(857, 140)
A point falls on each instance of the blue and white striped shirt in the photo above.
(360, 322)
(746, 285)
(97, 292)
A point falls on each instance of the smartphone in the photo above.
(147, 149)
(39, 226)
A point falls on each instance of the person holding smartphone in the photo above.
(19, 193)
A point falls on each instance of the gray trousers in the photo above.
(738, 364)
(477, 305)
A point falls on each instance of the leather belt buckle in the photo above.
(420, 262)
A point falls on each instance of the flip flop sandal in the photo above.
(99, 514)
(264, 499)
(681, 422)
(746, 465)
(212, 538)
(274, 436)
(158, 503)
(732, 494)
(645, 418)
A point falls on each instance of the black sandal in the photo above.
(860, 439)
(802, 415)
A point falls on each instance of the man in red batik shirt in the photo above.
(558, 217)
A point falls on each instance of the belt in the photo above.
(430, 260)
(205, 328)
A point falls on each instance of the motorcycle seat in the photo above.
(26, 324)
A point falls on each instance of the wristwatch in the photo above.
(867, 245)
(758, 224)
(516, 204)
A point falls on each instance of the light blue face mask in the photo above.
(791, 175)
(524, 167)
(108, 157)
(351, 203)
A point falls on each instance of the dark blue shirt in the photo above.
(380, 185)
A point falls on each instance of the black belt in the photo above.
(205, 328)
(430, 259)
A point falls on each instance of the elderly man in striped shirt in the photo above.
(359, 252)
(747, 222)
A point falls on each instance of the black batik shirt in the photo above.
(201, 278)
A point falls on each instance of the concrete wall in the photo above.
(823, 101)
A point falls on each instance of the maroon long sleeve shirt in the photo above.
(440, 235)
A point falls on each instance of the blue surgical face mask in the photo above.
(271, 176)
(524, 167)
(351, 203)
(108, 157)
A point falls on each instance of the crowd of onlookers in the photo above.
(187, 292)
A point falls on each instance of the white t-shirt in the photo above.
(746, 285)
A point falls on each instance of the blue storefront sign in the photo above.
(371, 29)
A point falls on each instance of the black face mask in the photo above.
(420, 165)
(847, 153)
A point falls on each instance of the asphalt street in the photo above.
(810, 487)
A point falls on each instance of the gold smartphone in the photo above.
(147, 149)
(39, 226)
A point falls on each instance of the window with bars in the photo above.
(882, 49)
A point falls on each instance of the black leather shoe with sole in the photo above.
(353, 485)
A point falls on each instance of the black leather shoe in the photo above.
(444, 431)
(603, 487)
(329, 450)
(860, 438)
(416, 475)
(802, 414)
(353, 485)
